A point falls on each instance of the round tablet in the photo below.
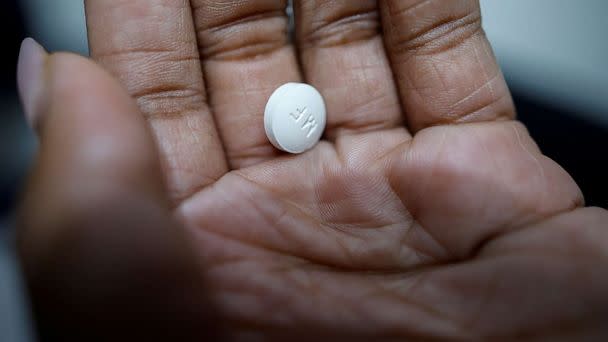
(294, 118)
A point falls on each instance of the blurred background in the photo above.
(554, 54)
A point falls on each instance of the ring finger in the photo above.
(343, 56)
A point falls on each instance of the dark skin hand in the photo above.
(427, 212)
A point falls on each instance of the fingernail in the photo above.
(30, 77)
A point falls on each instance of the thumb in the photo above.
(95, 151)
(101, 251)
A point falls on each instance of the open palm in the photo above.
(426, 211)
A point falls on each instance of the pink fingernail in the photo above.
(30, 77)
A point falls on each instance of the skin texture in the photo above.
(427, 213)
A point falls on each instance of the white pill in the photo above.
(294, 118)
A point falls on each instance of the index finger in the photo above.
(151, 46)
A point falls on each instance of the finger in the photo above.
(95, 222)
(93, 141)
(343, 56)
(151, 46)
(443, 63)
(246, 55)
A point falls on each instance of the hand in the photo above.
(427, 212)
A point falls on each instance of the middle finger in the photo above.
(246, 54)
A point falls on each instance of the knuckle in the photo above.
(427, 32)
(349, 27)
(163, 81)
(169, 100)
(247, 32)
(250, 155)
